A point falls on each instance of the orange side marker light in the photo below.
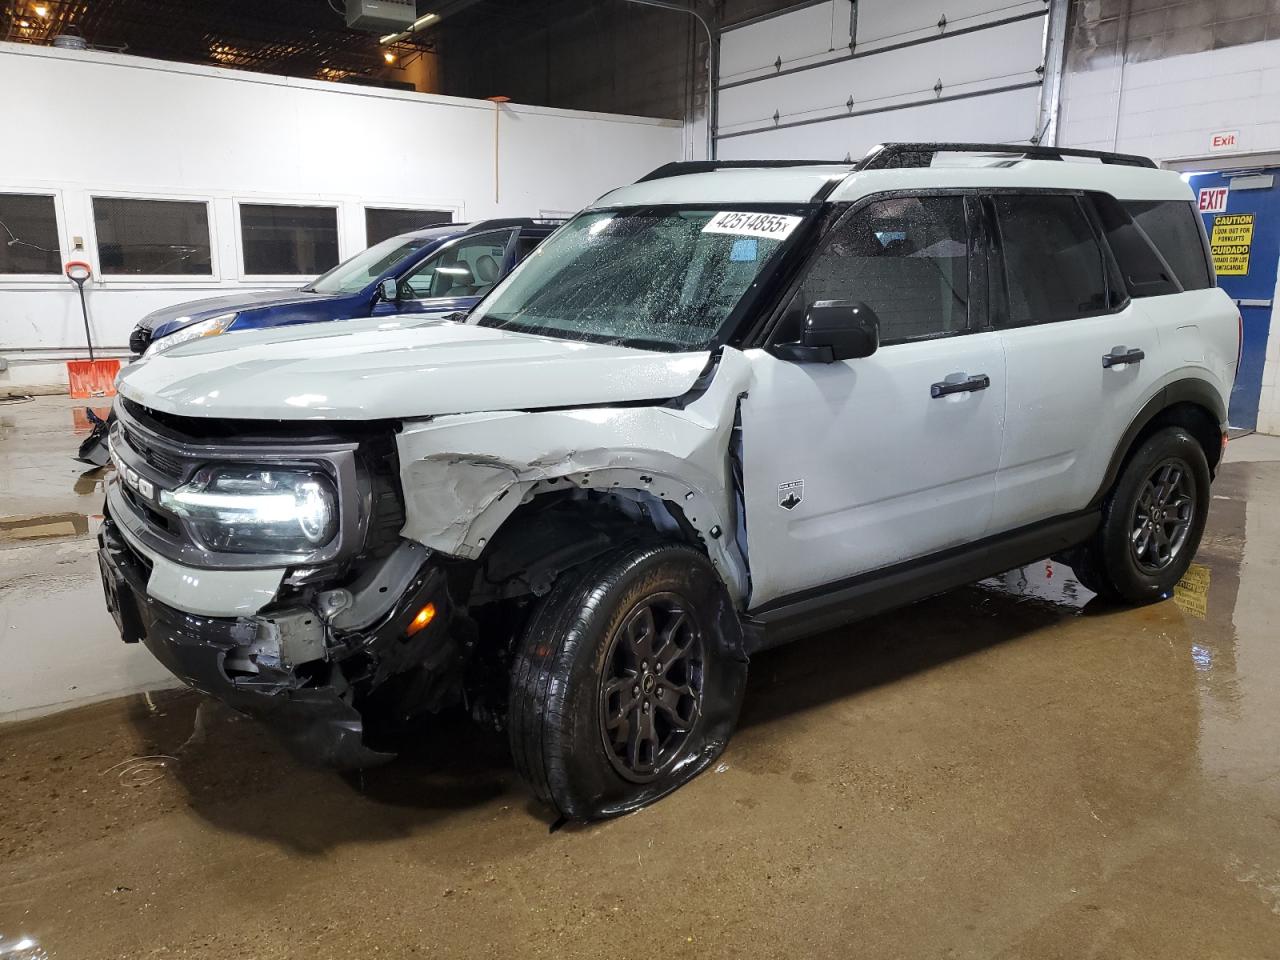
(420, 622)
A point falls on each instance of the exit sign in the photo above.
(1224, 140)
(1213, 199)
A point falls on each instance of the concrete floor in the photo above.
(1009, 770)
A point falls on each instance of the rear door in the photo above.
(1068, 328)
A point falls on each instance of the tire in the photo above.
(1145, 543)
(592, 644)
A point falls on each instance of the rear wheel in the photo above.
(1152, 521)
(627, 680)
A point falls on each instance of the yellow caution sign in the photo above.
(1231, 240)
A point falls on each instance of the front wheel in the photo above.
(1152, 521)
(627, 680)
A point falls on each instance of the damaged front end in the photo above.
(332, 649)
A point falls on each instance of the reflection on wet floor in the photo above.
(1011, 770)
(21, 948)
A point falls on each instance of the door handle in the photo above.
(977, 382)
(1119, 355)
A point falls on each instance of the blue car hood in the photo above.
(195, 310)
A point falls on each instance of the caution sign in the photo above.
(1231, 240)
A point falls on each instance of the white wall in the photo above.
(1169, 108)
(791, 86)
(80, 123)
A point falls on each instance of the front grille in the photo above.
(164, 462)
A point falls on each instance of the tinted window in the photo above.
(1053, 263)
(1174, 228)
(152, 237)
(28, 234)
(383, 222)
(907, 259)
(1144, 272)
(287, 240)
(469, 268)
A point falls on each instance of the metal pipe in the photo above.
(712, 61)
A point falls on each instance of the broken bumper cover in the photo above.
(317, 722)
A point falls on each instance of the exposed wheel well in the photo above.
(561, 529)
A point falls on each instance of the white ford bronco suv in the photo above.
(723, 407)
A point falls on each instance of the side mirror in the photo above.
(389, 290)
(834, 330)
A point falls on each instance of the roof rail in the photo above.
(890, 155)
(681, 167)
(515, 222)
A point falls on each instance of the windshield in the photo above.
(352, 276)
(654, 277)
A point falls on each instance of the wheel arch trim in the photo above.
(1191, 391)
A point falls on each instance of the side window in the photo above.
(152, 237)
(1174, 227)
(287, 240)
(1053, 265)
(906, 258)
(526, 245)
(1144, 270)
(469, 268)
(29, 234)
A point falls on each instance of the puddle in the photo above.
(21, 948)
(91, 481)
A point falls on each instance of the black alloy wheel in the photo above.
(651, 690)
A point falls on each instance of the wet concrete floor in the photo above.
(1009, 770)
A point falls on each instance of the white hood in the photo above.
(389, 367)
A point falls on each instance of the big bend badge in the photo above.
(790, 494)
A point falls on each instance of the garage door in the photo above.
(833, 78)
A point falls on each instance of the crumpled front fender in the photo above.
(464, 475)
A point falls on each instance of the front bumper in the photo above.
(317, 710)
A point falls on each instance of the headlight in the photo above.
(205, 328)
(246, 509)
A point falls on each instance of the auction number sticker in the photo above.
(769, 226)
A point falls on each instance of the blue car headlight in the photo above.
(252, 509)
(204, 328)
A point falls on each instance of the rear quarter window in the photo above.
(1174, 227)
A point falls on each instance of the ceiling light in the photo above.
(389, 56)
(24, 23)
(41, 10)
(418, 24)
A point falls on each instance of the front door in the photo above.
(858, 465)
(457, 276)
(1242, 217)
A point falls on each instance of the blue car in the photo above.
(435, 270)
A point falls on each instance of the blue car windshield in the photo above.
(352, 276)
(662, 278)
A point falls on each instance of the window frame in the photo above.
(60, 221)
(287, 279)
(150, 279)
(979, 318)
(1112, 277)
(452, 209)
